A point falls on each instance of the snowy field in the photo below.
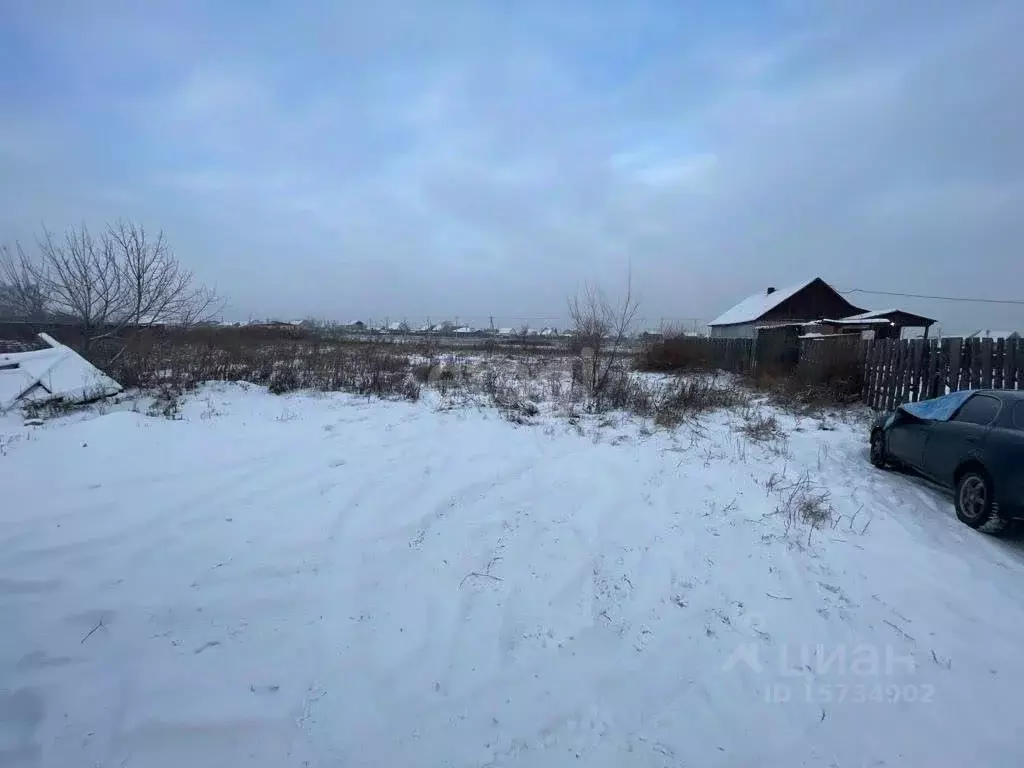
(324, 580)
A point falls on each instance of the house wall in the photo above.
(740, 331)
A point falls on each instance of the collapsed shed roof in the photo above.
(54, 373)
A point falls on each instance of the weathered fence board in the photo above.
(909, 370)
(931, 386)
(955, 357)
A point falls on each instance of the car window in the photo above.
(1018, 415)
(980, 409)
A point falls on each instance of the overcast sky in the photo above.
(407, 159)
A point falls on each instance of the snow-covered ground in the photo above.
(333, 581)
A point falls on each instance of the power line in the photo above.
(938, 298)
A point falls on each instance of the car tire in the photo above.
(975, 503)
(878, 452)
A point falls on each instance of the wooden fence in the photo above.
(908, 370)
(688, 352)
(886, 372)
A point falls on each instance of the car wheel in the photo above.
(975, 503)
(878, 457)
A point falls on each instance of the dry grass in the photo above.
(801, 501)
(804, 393)
(283, 363)
(761, 427)
(688, 397)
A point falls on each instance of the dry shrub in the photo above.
(166, 402)
(671, 355)
(802, 392)
(421, 372)
(282, 361)
(506, 395)
(690, 396)
(284, 379)
(804, 502)
(623, 392)
(761, 427)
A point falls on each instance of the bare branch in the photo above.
(22, 288)
(601, 330)
(122, 280)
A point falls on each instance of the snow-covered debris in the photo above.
(54, 373)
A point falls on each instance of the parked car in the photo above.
(971, 442)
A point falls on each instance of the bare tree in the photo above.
(601, 330)
(156, 288)
(21, 296)
(121, 280)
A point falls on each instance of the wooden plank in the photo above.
(908, 367)
(955, 351)
(1016, 355)
(923, 382)
(942, 368)
(900, 369)
(893, 389)
(880, 374)
(914, 378)
(892, 372)
(884, 357)
(998, 355)
(1016, 363)
(1009, 374)
(874, 374)
(931, 371)
(974, 365)
(862, 361)
(985, 364)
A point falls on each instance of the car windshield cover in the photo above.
(939, 408)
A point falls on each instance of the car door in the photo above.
(952, 442)
(907, 439)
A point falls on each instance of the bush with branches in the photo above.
(600, 333)
(107, 285)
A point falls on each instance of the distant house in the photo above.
(807, 301)
(813, 309)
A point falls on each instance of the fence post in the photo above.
(997, 364)
(985, 367)
(915, 372)
(955, 352)
(1010, 364)
(931, 385)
